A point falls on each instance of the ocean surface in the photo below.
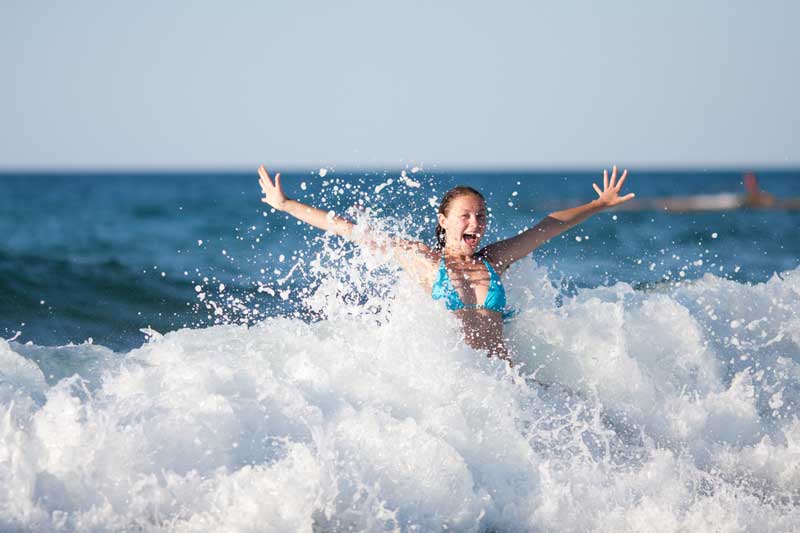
(177, 357)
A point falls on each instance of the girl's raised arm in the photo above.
(324, 220)
(413, 256)
(505, 252)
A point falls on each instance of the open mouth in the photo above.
(471, 238)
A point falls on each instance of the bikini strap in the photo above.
(493, 275)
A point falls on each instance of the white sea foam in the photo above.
(658, 414)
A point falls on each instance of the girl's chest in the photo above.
(470, 281)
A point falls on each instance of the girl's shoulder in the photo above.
(418, 260)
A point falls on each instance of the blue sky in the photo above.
(151, 84)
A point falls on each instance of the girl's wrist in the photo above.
(598, 204)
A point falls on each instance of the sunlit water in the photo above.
(652, 404)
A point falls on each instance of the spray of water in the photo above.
(363, 410)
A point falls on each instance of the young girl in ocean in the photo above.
(455, 269)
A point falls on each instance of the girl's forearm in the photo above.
(574, 216)
(324, 220)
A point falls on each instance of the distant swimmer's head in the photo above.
(751, 183)
(461, 220)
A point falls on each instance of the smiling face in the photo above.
(464, 223)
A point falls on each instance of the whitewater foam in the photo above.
(627, 410)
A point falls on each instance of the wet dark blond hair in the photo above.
(444, 206)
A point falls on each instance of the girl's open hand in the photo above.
(609, 195)
(273, 192)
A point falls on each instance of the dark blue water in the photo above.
(102, 255)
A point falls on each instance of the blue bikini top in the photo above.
(495, 297)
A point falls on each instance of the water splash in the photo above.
(673, 409)
(332, 394)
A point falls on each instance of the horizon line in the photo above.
(410, 168)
